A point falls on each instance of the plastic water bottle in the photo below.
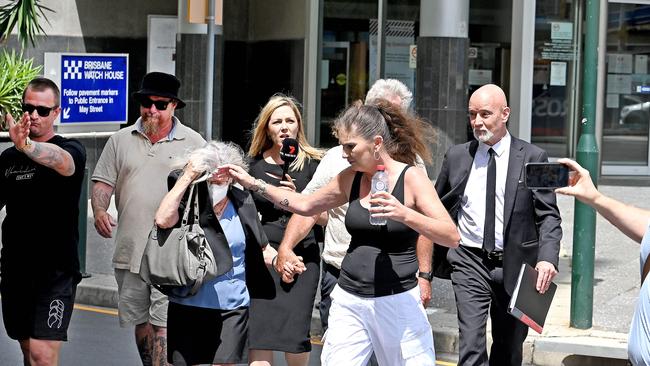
(379, 184)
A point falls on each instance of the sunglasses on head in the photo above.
(161, 105)
(41, 110)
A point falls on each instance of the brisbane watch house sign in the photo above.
(94, 87)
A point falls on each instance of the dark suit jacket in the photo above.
(531, 231)
(258, 278)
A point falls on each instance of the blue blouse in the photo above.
(228, 291)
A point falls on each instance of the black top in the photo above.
(274, 218)
(40, 231)
(381, 260)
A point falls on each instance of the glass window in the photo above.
(627, 99)
(554, 76)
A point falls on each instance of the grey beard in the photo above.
(150, 125)
(485, 137)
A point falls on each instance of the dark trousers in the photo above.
(329, 278)
(478, 287)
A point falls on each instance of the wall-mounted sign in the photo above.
(94, 87)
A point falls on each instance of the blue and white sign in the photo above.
(94, 88)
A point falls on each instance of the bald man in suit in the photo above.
(502, 224)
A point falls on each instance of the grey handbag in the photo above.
(180, 257)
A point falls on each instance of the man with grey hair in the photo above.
(392, 90)
(134, 164)
(337, 239)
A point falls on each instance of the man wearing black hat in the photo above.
(135, 164)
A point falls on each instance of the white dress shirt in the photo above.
(471, 216)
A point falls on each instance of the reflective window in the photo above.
(554, 76)
(627, 98)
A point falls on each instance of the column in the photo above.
(190, 66)
(441, 77)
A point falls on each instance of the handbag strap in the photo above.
(186, 212)
(196, 206)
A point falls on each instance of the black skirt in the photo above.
(282, 321)
(206, 336)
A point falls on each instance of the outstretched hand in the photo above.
(238, 174)
(18, 132)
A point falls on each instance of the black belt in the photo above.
(494, 257)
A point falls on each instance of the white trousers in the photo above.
(395, 327)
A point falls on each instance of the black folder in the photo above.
(527, 304)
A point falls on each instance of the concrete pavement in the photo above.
(615, 292)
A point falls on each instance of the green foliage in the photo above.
(16, 73)
(25, 15)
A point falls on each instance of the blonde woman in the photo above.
(281, 320)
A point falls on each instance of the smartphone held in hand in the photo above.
(547, 176)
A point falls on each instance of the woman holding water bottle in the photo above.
(376, 305)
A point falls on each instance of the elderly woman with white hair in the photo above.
(211, 327)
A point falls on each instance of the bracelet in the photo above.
(274, 261)
(28, 143)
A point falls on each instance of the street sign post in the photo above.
(94, 88)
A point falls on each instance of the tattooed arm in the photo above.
(100, 200)
(42, 153)
(330, 196)
(50, 156)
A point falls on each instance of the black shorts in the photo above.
(206, 336)
(38, 307)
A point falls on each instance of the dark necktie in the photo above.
(490, 189)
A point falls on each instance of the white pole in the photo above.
(209, 72)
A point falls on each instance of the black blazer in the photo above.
(258, 278)
(531, 229)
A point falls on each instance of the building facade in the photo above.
(327, 53)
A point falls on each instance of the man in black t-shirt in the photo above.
(40, 184)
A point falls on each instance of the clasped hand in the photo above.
(288, 265)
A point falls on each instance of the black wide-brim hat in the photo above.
(161, 85)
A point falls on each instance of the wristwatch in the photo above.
(28, 142)
(426, 275)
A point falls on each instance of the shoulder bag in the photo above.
(180, 257)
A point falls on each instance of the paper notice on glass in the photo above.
(619, 84)
(324, 74)
(640, 64)
(611, 101)
(558, 74)
(561, 30)
(480, 77)
(619, 63)
(413, 56)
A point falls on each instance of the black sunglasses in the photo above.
(161, 105)
(41, 110)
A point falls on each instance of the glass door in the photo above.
(555, 75)
(334, 84)
(627, 101)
